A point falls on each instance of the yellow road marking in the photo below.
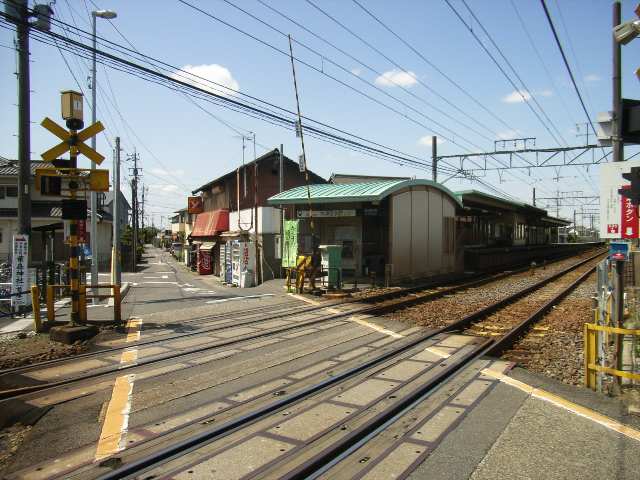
(116, 420)
(567, 405)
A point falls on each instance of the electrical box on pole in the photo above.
(630, 128)
(633, 191)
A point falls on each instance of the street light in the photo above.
(107, 15)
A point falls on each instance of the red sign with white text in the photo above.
(629, 213)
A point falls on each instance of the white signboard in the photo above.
(326, 213)
(20, 271)
(611, 202)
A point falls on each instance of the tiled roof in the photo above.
(10, 167)
(373, 191)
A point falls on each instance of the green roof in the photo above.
(373, 191)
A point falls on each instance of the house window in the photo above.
(11, 191)
(2, 193)
(1, 239)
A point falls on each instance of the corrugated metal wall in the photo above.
(419, 245)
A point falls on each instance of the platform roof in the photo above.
(373, 191)
(481, 198)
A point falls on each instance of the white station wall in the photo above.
(417, 233)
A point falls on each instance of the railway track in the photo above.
(311, 428)
(28, 379)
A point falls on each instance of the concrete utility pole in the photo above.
(115, 253)
(24, 118)
(534, 196)
(134, 213)
(434, 158)
(280, 190)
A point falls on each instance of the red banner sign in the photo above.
(82, 231)
(629, 213)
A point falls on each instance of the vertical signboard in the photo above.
(617, 220)
(20, 272)
(290, 250)
(629, 218)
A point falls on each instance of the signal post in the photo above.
(51, 181)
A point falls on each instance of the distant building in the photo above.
(47, 227)
(236, 216)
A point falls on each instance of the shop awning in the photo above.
(209, 224)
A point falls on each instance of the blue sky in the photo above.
(181, 147)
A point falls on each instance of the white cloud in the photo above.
(214, 73)
(517, 97)
(163, 187)
(356, 71)
(508, 134)
(426, 141)
(165, 173)
(592, 78)
(395, 78)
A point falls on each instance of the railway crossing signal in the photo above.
(78, 180)
(72, 139)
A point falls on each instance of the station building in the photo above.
(400, 228)
(403, 229)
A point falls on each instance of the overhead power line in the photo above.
(515, 72)
(566, 63)
(361, 144)
(519, 90)
(432, 65)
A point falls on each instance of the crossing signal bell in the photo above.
(633, 193)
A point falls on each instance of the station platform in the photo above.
(533, 427)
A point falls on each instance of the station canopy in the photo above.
(373, 191)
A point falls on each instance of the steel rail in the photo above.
(212, 434)
(9, 393)
(293, 311)
(303, 310)
(339, 451)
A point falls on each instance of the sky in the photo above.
(450, 87)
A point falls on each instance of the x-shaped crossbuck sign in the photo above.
(69, 140)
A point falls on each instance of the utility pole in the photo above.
(618, 156)
(280, 190)
(534, 196)
(134, 213)
(434, 158)
(144, 188)
(24, 118)
(115, 252)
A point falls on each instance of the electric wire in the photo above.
(432, 65)
(114, 62)
(536, 50)
(515, 72)
(361, 63)
(501, 69)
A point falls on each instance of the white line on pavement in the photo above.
(232, 299)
